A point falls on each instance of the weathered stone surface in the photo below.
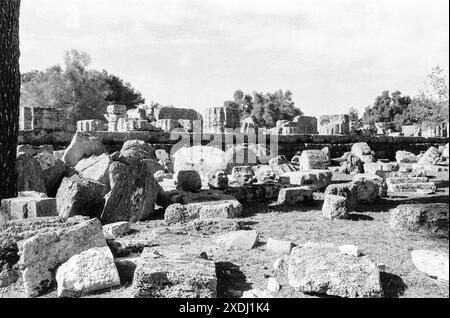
(369, 188)
(90, 271)
(445, 151)
(133, 193)
(335, 207)
(8, 275)
(352, 165)
(153, 166)
(83, 145)
(240, 240)
(349, 249)
(219, 119)
(295, 195)
(28, 207)
(430, 157)
(243, 175)
(334, 125)
(322, 269)
(360, 149)
(313, 160)
(426, 218)
(203, 159)
(31, 194)
(95, 168)
(218, 181)
(422, 187)
(78, 196)
(41, 255)
(137, 149)
(433, 264)
(115, 230)
(226, 208)
(256, 293)
(363, 151)
(405, 157)
(173, 274)
(346, 190)
(245, 155)
(30, 176)
(279, 246)
(314, 179)
(189, 180)
(53, 169)
(272, 285)
(264, 173)
(34, 150)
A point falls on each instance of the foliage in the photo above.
(388, 108)
(267, 108)
(354, 114)
(82, 92)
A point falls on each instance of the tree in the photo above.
(434, 100)
(9, 95)
(387, 108)
(353, 113)
(82, 92)
(267, 108)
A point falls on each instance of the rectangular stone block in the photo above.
(174, 273)
(424, 187)
(28, 207)
(294, 195)
(41, 254)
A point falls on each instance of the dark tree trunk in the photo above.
(9, 95)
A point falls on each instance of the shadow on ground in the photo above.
(393, 285)
(231, 281)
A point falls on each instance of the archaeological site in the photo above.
(103, 195)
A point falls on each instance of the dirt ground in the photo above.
(244, 270)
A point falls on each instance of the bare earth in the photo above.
(244, 270)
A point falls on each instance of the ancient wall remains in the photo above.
(218, 119)
(31, 118)
(334, 125)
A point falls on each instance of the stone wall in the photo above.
(218, 119)
(176, 113)
(31, 118)
(384, 147)
(334, 125)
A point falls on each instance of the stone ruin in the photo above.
(86, 218)
(334, 125)
(170, 118)
(35, 118)
(220, 119)
(300, 125)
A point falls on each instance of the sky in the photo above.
(332, 54)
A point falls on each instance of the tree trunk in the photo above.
(9, 95)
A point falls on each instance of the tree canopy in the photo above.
(84, 93)
(267, 108)
(428, 108)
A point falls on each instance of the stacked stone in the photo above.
(334, 125)
(218, 119)
(116, 116)
(90, 125)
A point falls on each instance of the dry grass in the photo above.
(243, 270)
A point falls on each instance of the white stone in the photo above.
(92, 270)
(272, 285)
(349, 249)
(114, 230)
(240, 240)
(433, 264)
(279, 246)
